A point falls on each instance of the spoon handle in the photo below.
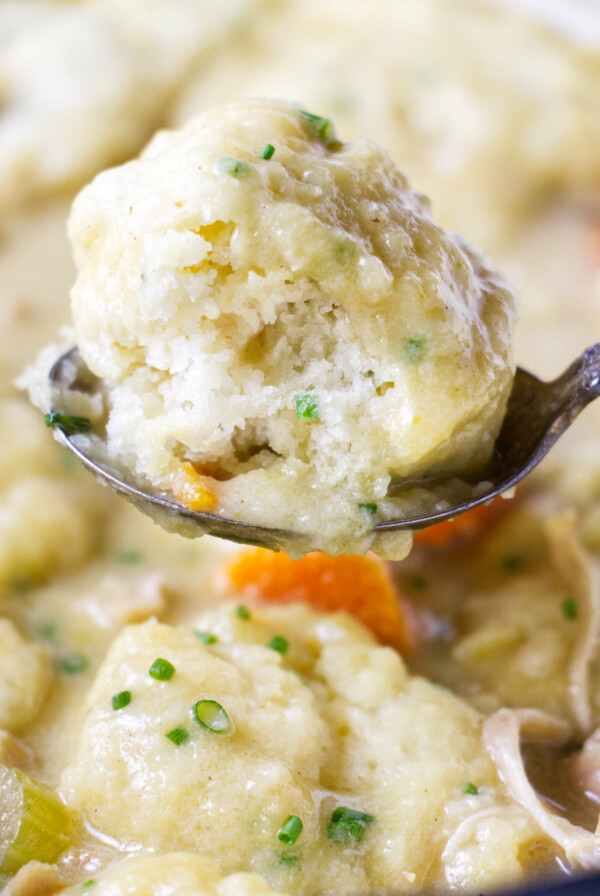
(581, 379)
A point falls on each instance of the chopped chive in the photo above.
(88, 883)
(73, 663)
(121, 700)
(206, 637)
(307, 407)
(414, 348)
(348, 825)
(242, 612)
(570, 608)
(48, 630)
(232, 166)
(513, 562)
(287, 860)
(268, 151)
(178, 735)
(143, 276)
(67, 422)
(211, 715)
(321, 127)
(129, 558)
(280, 644)
(21, 585)
(161, 670)
(289, 832)
(471, 789)
(368, 506)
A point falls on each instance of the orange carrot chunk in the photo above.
(359, 585)
(466, 524)
(192, 489)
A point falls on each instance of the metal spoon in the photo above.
(538, 413)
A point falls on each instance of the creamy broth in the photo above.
(498, 617)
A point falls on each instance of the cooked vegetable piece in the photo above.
(290, 831)
(161, 670)
(348, 825)
(280, 644)
(359, 585)
(466, 524)
(211, 715)
(192, 490)
(67, 422)
(34, 823)
(268, 152)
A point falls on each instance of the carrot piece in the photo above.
(192, 490)
(466, 524)
(359, 585)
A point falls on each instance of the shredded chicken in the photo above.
(582, 580)
(501, 734)
(14, 752)
(586, 766)
(33, 879)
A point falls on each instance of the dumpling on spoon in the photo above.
(283, 329)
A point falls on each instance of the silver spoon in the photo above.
(538, 413)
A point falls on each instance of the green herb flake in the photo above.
(73, 663)
(161, 670)
(88, 884)
(268, 152)
(242, 612)
(48, 630)
(348, 825)
(206, 637)
(232, 166)
(21, 585)
(513, 562)
(307, 407)
(67, 422)
(319, 126)
(470, 789)
(287, 861)
(368, 506)
(414, 348)
(370, 373)
(570, 608)
(178, 735)
(143, 276)
(210, 715)
(289, 832)
(280, 644)
(121, 700)
(129, 558)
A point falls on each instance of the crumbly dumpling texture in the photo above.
(298, 327)
(335, 722)
(178, 874)
(25, 677)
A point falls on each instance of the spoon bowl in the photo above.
(537, 414)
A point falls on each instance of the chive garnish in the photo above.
(211, 715)
(414, 348)
(348, 825)
(280, 644)
(242, 612)
(320, 126)
(288, 861)
(307, 407)
(206, 637)
(368, 506)
(471, 789)
(73, 663)
(513, 562)
(67, 422)
(290, 830)
(178, 735)
(122, 699)
(232, 166)
(268, 151)
(570, 608)
(130, 558)
(161, 670)
(88, 883)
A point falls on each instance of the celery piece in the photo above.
(34, 822)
